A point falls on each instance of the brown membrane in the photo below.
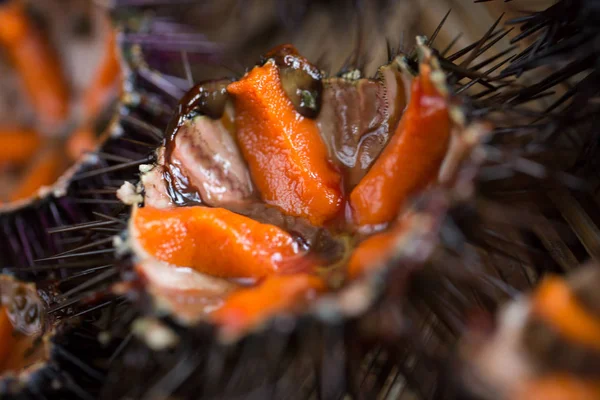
(301, 81)
(208, 99)
(358, 117)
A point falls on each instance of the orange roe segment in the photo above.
(411, 159)
(18, 145)
(371, 253)
(248, 307)
(44, 171)
(559, 387)
(555, 303)
(284, 150)
(378, 248)
(215, 241)
(35, 62)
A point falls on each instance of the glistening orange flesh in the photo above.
(411, 159)
(286, 156)
(18, 145)
(377, 248)
(370, 253)
(248, 307)
(216, 241)
(44, 171)
(555, 303)
(35, 62)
